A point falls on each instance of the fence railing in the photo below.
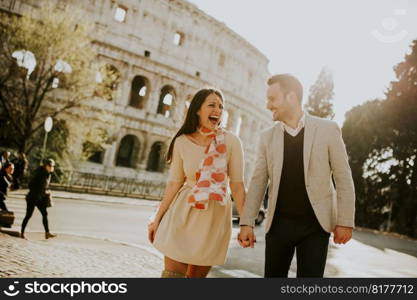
(76, 181)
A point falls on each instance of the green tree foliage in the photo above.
(381, 138)
(108, 78)
(402, 108)
(46, 69)
(321, 94)
(55, 148)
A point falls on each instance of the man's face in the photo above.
(49, 168)
(10, 170)
(277, 102)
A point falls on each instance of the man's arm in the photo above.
(343, 179)
(257, 186)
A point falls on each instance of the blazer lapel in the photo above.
(277, 152)
(309, 132)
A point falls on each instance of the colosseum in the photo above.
(163, 51)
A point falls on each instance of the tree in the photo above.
(364, 139)
(46, 69)
(381, 140)
(402, 106)
(321, 94)
(107, 79)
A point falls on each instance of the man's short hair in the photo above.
(7, 165)
(288, 83)
(48, 162)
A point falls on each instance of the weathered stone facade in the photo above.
(159, 48)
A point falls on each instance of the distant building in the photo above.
(160, 53)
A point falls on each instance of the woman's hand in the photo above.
(152, 228)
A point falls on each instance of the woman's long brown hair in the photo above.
(191, 120)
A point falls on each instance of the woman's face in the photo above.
(210, 112)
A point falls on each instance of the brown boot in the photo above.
(171, 274)
(49, 235)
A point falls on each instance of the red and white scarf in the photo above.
(212, 173)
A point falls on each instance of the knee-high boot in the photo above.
(172, 274)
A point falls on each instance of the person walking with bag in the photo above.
(39, 197)
(193, 224)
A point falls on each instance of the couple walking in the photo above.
(303, 161)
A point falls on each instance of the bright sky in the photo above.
(360, 41)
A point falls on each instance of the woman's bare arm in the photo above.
(239, 195)
(171, 190)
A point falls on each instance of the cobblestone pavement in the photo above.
(84, 251)
(91, 247)
(71, 256)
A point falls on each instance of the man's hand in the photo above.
(342, 234)
(246, 237)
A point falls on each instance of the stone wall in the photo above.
(165, 45)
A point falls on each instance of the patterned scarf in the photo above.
(212, 173)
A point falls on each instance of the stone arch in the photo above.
(244, 127)
(166, 101)
(225, 119)
(139, 92)
(255, 132)
(156, 161)
(128, 151)
(97, 157)
(238, 125)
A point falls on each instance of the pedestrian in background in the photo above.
(39, 196)
(6, 180)
(20, 166)
(5, 157)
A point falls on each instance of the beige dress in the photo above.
(190, 235)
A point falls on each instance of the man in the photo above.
(298, 157)
(20, 164)
(5, 158)
(6, 179)
(39, 197)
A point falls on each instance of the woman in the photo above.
(193, 224)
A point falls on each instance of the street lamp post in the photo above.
(48, 127)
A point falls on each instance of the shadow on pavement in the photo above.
(384, 241)
(10, 232)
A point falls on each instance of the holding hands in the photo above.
(246, 237)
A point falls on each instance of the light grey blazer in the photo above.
(324, 155)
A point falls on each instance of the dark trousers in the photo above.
(30, 207)
(16, 183)
(306, 237)
(3, 205)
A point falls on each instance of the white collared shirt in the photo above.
(292, 131)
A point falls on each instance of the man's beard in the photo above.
(276, 116)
